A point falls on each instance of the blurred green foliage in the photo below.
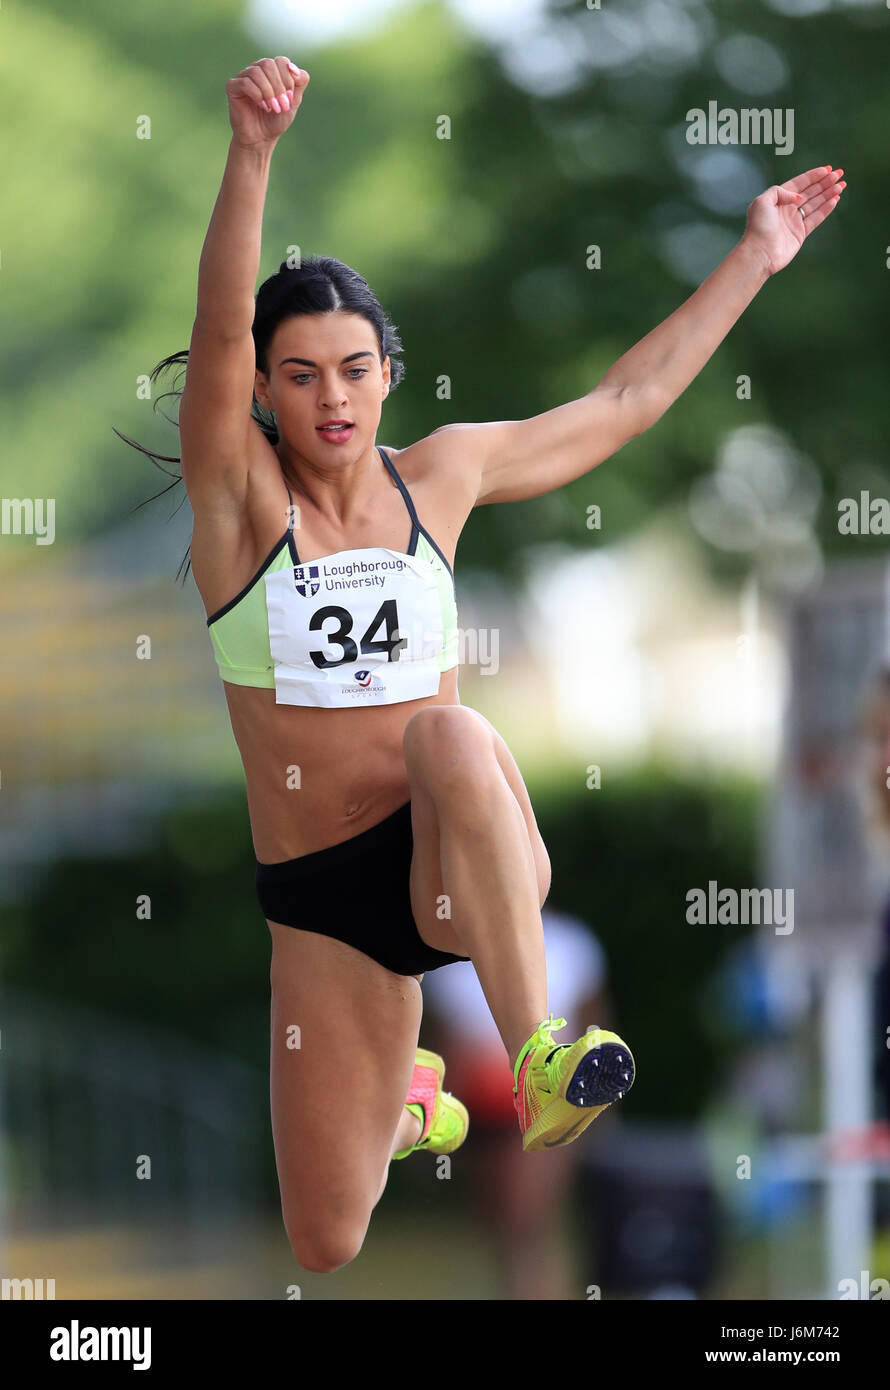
(623, 861)
(475, 244)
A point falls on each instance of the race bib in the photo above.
(361, 627)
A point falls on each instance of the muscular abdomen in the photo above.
(319, 776)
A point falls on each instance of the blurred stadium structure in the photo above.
(98, 757)
(85, 1101)
(83, 1096)
(837, 635)
(91, 759)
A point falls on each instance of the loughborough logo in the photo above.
(306, 580)
(363, 677)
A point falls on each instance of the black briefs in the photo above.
(356, 891)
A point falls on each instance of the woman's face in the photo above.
(337, 375)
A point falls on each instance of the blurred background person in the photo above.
(875, 728)
(520, 1199)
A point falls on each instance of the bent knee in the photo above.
(321, 1250)
(434, 723)
(450, 739)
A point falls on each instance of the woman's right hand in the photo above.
(252, 96)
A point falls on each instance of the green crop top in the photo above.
(358, 627)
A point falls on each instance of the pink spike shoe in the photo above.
(445, 1119)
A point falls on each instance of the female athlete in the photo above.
(392, 829)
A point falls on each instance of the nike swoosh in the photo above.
(563, 1137)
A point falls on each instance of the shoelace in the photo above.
(545, 1032)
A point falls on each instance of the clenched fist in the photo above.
(263, 100)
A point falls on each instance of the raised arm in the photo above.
(515, 459)
(214, 413)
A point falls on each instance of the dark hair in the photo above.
(318, 285)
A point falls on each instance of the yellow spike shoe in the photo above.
(560, 1088)
(445, 1120)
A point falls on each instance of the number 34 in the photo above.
(392, 644)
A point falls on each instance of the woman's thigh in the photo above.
(344, 1033)
(427, 888)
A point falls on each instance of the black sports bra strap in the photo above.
(401, 486)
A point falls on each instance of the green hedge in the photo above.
(623, 860)
(624, 857)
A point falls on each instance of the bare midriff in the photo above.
(316, 777)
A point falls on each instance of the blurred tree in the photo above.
(477, 243)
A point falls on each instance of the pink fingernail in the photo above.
(275, 106)
(285, 97)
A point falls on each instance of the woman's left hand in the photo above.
(781, 219)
